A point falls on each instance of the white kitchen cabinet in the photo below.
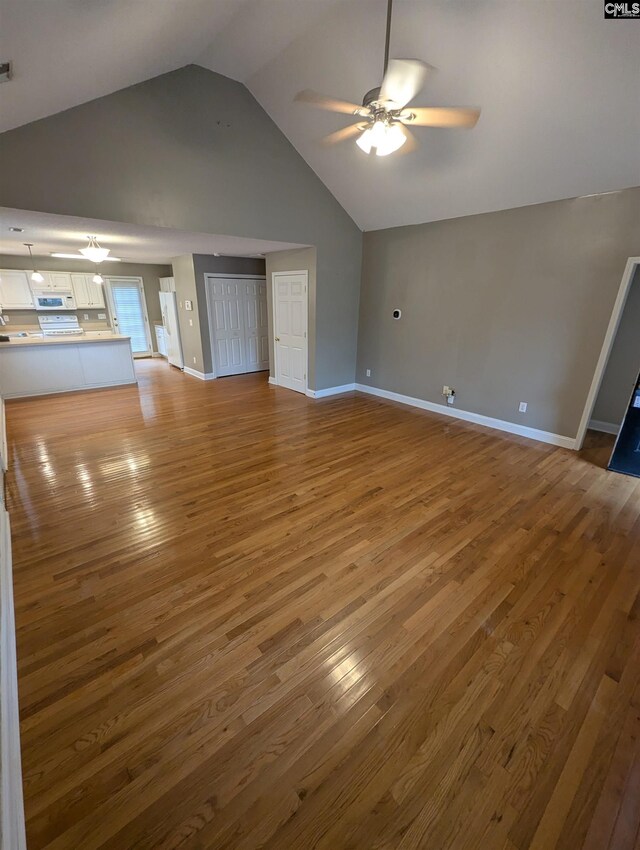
(59, 281)
(96, 293)
(80, 290)
(87, 293)
(15, 292)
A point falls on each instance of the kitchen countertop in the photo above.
(63, 340)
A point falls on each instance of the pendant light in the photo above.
(93, 251)
(97, 278)
(36, 277)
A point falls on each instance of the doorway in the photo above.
(609, 401)
(238, 324)
(290, 323)
(125, 297)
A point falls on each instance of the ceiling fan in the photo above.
(384, 114)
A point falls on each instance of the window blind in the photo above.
(127, 300)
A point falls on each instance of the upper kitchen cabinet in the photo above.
(15, 291)
(86, 292)
(57, 281)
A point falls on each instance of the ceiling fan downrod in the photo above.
(387, 37)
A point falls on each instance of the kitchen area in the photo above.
(56, 335)
(67, 324)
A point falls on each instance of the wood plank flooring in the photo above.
(249, 619)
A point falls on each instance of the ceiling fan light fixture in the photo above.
(383, 137)
(93, 251)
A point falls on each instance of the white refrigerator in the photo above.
(169, 309)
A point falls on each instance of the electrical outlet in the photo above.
(522, 408)
(194, 361)
(191, 322)
(368, 373)
(86, 317)
(451, 399)
(102, 315)
(6, 320)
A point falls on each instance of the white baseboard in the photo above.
(203, 376)
(477, 418)
(345, 388)
(605, 427)
(12, 807)
(273, 381)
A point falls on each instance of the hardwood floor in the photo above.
(249, 619)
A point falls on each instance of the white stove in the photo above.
(60, 325)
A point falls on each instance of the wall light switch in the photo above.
(522, 408)
(188, 305)
(368, 373)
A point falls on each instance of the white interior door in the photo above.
(290, 325)
(129, 312)
(256, 324)
(171, 327)
(239, 325)
(227, 325)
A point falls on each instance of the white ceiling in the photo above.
(557, 84)
(136, 244)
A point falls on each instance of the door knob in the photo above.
(277, 339)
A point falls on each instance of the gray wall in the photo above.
(624, 362)
(296, 260)
(194, 150)
(188, 272)
(149, 272)
(189, 320)
(505, 307)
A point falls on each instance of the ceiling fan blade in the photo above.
(321, 101)
(411, 144)
(440, 116)
(402, 81)
(344, 134)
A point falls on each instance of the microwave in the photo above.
(50, 299)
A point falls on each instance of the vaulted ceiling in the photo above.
(557, 84)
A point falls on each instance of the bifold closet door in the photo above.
(238, 318)
(256, 325)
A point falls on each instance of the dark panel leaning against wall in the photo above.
(149, 272)
(183, 167)
(505, 307)
(624, 363)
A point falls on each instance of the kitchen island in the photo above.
(38, 365)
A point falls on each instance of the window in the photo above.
(128, 313)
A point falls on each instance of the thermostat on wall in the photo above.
(188, 305)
